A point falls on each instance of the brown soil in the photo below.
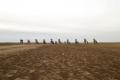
(60, 62)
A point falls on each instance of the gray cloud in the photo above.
(94, 18)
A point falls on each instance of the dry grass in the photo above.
(62, 62)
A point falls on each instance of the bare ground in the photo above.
(60, 62)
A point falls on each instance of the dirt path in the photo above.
(16, 48)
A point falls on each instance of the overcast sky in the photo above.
(93, 17)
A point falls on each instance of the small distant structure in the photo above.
(52, 42)
(56, 42)
(28, 41)
(21, 41)
(85, 41)
(36, 41)
(44, 41)
(59, 41)
(68, 42)
(95, 41)
(76, 41)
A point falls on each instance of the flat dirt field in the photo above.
(60, 62)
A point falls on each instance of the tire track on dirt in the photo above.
(12, 49)
(9, 51)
